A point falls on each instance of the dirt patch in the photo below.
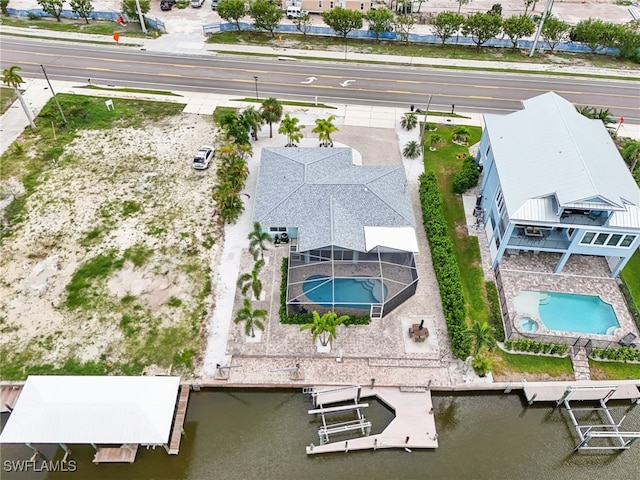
(131, 196)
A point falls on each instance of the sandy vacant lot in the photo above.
(128, 196)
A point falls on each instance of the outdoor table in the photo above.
(418, 334)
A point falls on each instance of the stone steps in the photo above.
(581, 365)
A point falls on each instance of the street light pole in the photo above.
(256, 79)
(64, 119)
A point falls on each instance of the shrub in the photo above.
(481, 365)
(467, 177)
(619, 354)
(495, 316)
(527, 345)
(445, 266)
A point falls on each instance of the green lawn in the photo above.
(614, 370)
(444, 164)
(96, 27)
(7, 97)
(315, 42)
(534, 364)
(631, 276)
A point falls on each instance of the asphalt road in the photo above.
(469, 91)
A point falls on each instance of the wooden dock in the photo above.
(8, 397)
(414, 424)
(593, 390)
(178, 421)
(123, 454)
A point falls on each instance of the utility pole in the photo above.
(139, 10)
(547, 9)
(64, 119)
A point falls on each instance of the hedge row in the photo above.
(495, 316)
(304, 318)
(467, 176)
(631, 303)
(526, 345)
(617, 353)
(445, 265)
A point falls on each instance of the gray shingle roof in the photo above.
(548, 148)
(329, 200)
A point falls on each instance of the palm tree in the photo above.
(12, 78)
(409, 121)
(258, 241)
(236, 166)
(235, 128)
(412, 150)
(324, 326)
(252, 280)
(324, 128)
(631, 152)
(461, 134)
(229, 203)
(252, 118)
(483, 336)
(250, 317)
(435, 139)
(271, 111)
(289, 126)
(597, 114)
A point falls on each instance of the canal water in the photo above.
(245, 434)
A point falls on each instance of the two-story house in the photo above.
(554, 181)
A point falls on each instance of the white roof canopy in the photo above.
(86, 409)
(397, 238)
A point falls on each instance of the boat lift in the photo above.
(608, 431)
(334, 395)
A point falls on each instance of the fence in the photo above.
(154, 23)
(415, 38)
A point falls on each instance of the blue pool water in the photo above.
(362, 291)
(577, 313)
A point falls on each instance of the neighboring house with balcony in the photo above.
(349, 228)
(554, 181)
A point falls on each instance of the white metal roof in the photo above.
(548, 148)
(397, 238)
(88, 409)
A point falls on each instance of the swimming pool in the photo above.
(353, 292)
(568, 312)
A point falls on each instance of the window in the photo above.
(588, 238)
(570, 232)
(628, 240)
(500, 201)
(601, 238)
(614, 239)
(277, 229)
(486, 154)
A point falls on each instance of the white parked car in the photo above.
(202, 157)
(196, 3)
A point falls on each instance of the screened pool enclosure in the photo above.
(349, 282)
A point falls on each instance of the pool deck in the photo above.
(529, 271)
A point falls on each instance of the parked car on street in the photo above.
(203, 156)
(196, 3)
(167, 4)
